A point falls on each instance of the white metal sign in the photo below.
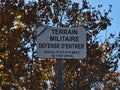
(61, 42)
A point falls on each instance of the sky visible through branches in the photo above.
(115, 14)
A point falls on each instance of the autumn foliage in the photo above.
(21, 69)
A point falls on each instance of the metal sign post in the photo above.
(59, 75)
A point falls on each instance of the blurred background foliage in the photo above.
(20, 69)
